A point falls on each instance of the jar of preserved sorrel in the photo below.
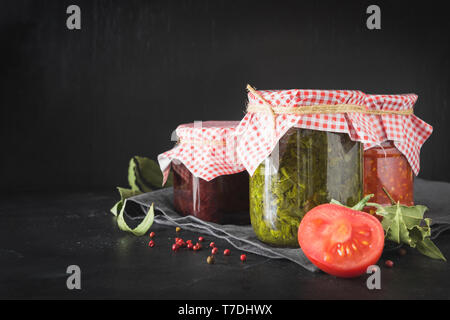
(313, 168)
(298, 160)
(208, 180)
(390, 166)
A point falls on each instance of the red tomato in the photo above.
(341, 241)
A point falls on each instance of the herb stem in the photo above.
(389, 196)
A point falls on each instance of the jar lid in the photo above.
(206, 148)
(408, 133)
(259, 131)
(271, 113)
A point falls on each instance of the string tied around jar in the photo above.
(267, 107)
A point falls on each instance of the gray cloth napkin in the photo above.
(434, 195)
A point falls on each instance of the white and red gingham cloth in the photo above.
(408, 133)
(207, 149)
(258, 138)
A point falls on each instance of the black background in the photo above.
(76, 105)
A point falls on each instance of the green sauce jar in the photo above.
(307, 168)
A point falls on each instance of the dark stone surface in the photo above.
(42, 234)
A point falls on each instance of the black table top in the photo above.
(42, 234)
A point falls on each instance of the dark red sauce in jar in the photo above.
(224, 199)
(387, 167)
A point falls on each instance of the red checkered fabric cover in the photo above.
(257, 137)
(207, 149)
(408, 132)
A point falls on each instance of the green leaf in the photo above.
(428, 248)
(142, 228)
(403, 224)
(145, 175)
(360, 205)
(397, 230)
(148, 173)
(124, 194)
(413, 215)
(117, 207)
(336, 202)
(132, 176)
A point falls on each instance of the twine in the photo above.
(315, 109)
(202, 142)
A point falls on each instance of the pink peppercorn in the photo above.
(389, 263)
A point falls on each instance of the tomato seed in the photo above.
(402, 251)
(177, 229)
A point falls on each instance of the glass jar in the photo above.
(386, 167)
(223, 200)
(307, 168)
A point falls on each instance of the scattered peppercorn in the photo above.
(226, 252)
(196, 248)
(177, 229)
(152, 234)
(175, 247)
(210, 260)
(200, 239)
(190, 246)
(199, 245)
(151, 243)
(214, 250)
(389, 263)
(212, 245)
(243, 257)
(402, 251)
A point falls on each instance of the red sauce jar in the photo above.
(386, 167)
(223, 200)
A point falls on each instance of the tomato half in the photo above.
(341, 241)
